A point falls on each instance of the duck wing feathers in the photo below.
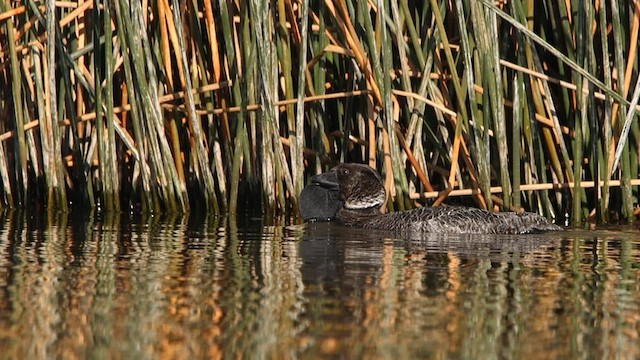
(454, 220)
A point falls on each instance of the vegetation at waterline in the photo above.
(166, 105)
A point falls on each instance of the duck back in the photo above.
(450, 220)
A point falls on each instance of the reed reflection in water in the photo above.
(197, 287)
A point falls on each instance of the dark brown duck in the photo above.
(354, 193)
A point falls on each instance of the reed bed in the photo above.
(226, 106)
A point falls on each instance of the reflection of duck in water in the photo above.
(354, 194)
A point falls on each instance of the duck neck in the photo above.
(352, 217)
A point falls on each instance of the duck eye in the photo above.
(344, 171)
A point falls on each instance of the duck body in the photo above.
(449, 220)
(361, 194)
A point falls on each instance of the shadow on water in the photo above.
(205, 287)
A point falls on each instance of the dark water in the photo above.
(208, 288)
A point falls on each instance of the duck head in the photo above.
(360, 186)
(353, 187)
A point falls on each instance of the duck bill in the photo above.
(327, 180)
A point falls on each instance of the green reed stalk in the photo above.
(402, 47)
(516, 140)
(264, 56)
(402, 54)
(378, 72)
(216, 134)
(581, 44)
(45, 129)
(620, 64)
(416, 120)
(560, 56)
(151, 117)
(57, 167)
(54, 136)
(602, 193)
(543, 99)
(627, 195)
(112, 189)
(16, 87)
(82, 182)
(104, 183)
(629, 157)
(413, 33)
(297, 167)
(319, 140)
(487, 39)
(36, 165)
(249, 52)
(283, 52)
(148, 202)
(519, 116)
(237, 99)
(372, 45)
(76, 100)
(4, 175)
(202, 158)
(250, 145)
(198, 150)
(284, 56)
(480, 138)
(576, 213)
(399, 175)
(200, 72)
(460, 96)
(497, 107)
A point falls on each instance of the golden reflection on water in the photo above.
(198, 287)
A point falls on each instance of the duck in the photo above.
(353, 195)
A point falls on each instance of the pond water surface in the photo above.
(185, 288)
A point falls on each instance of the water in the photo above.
(184, 288)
